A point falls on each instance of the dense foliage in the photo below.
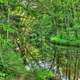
(39, 40)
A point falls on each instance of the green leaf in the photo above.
(7, 27)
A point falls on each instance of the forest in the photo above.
(39, 39)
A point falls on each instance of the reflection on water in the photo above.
(47, 65)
